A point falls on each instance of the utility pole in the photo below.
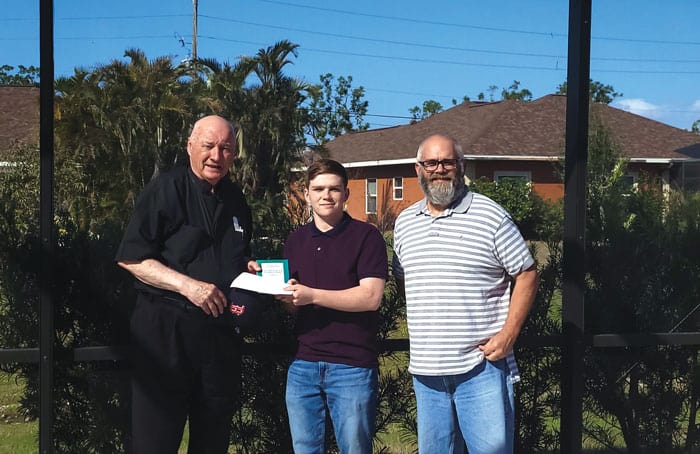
(194, 29)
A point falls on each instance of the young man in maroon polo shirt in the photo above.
(338, 267)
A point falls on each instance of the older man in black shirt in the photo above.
(187, 239)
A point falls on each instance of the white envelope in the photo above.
(260, 284)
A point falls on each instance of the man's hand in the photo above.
(206, 296)
(288, 299)
(202, 294)
(363, 297)
(521, 299)
(301, 294)
(498, 346)
(253, 267)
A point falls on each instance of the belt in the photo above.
(225, 320)
(180, 302)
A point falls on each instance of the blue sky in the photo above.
(402, 52)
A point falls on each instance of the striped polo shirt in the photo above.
(457, 270)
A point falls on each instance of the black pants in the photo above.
(184, 366)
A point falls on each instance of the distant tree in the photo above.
(333, 110)
(641, 246)
(124, 122)
(514, 92)
(273, 138)
(696, 127)
(599, 92)
(24, 75)
(430, 108)
(491, 91)
(518, 197)
(465, 98)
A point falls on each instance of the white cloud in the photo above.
(680, 116)
(641, 107)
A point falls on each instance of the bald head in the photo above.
(442, 143)
(212, 148)
(212, 121)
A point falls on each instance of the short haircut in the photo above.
(455, 146)
(323, 166)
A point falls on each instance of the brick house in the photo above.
(19, 116)
(19, 120)
(506, 139)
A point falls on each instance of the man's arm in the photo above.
(521, 299)
(202, 294)
(364, 297)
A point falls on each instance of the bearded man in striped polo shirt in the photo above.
(470, 281)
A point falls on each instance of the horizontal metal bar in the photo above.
(252, 349)
(101, 353)
(19, 355)
(121, 352)
(553, 340)
(394, 345)
(645, 339)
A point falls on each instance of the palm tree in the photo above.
(268, 63)
(124, 122)
(149, 111)
(271, 122)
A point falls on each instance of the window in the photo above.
(398, 188)
(630, 179)
(371, 196)
(629, 182)
(690, 176)
(503, 175)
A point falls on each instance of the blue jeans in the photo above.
(349, 393)
(479, 404)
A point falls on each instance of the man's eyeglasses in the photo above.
(431, 165)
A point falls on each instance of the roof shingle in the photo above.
(19, 116)
(516, 129)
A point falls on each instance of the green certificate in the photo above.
(274, 269)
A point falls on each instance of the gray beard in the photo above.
(442, 194)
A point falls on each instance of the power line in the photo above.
(435, 46)
(385, 41)
(91, 18)
(376, 16)
(393, 57)
(417, 21)
(404, 43)
(98, 38)
(555, 68)
(477, 27)
(359, 38)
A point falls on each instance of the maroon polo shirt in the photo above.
(336, 260)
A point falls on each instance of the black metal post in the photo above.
(576, 160)
(46, 277)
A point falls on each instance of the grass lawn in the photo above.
(17, 436)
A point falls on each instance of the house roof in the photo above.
(515, 130)
(19, 116)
